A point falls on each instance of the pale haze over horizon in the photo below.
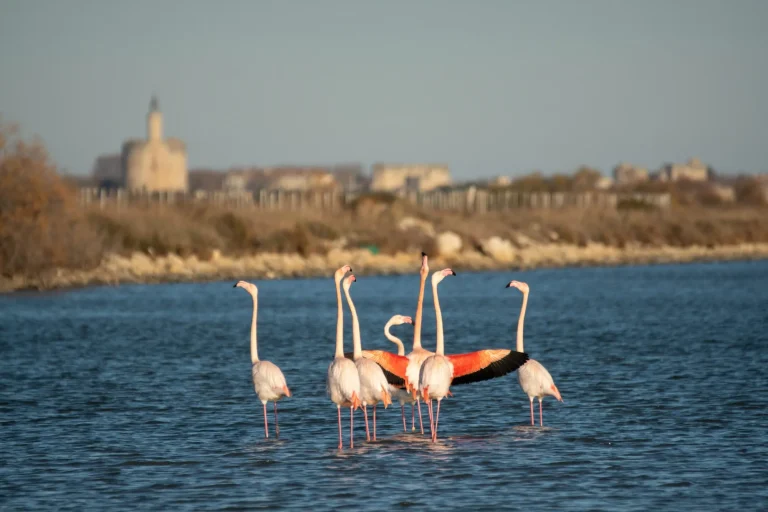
(488, 87)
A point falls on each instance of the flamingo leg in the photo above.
(351, 429)
(431, 419)
(541, 414)
(532, 422)
(365, 414)
(421, 423)
(413, 417)
(277, 425)
(374, 422)
(402, 410)
(437, 418)
(266, 428)
(338, 409)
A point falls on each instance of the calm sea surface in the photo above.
(140, 396)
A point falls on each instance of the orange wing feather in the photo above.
(485, 364)
(393, 365)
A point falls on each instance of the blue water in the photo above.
(140, 396)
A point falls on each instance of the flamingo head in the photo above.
(339, 275)
(400, 320)
(442, 274)
(424, 265)
(249, 287)
(523, 287)
(349, 280)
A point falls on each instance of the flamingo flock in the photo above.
(364, 378)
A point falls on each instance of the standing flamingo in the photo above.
(374, 387)
(268, 380)
(436, 373)
(534, 379)
(469, 367)
(399, 393)
(343, 383)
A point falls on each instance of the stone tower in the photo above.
(154, 121)
(155, 164)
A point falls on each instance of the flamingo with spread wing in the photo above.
(469, 367)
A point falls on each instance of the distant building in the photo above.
(500, 181)
(413, 177)
(235, 183)
(207, 180)
(350, 177)
(302, 181)
(155, 164)
(604, 183)
(693, 170)
(291, 178)
(108, 171)
(628, 174)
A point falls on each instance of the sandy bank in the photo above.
(141, 268)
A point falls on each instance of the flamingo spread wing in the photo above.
(485, 364)
(471, 367)
(392, 364)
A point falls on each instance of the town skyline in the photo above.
(499, 88)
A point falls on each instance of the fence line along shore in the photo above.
(470, 200)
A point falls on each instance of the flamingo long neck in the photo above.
(520, 323)
(394, 339)
(254, 350)
(339, 322)
(358, 349)
(440, 349)
(419, 308)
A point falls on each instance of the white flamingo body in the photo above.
(374, 387)
(268, 381)
(343, 384)
(436, 372)
(436, 376)
(415, 359)
(402, 396)
(534, 379)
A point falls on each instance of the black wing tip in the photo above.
(392, 378)
(503, 366)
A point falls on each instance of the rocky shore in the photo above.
(497, 254)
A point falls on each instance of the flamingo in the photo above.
(534, 379)
(468, 367)
(268, 381)
(436, 372)
(399, 393)
(343, 383)
(374, 387)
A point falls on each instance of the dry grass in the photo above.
(42, 227)
(199, 231)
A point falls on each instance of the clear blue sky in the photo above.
(489, 87)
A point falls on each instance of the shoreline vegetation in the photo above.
(140, 268)
(48, 240)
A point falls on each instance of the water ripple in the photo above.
(140, 397)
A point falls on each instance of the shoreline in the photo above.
(141, 268)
